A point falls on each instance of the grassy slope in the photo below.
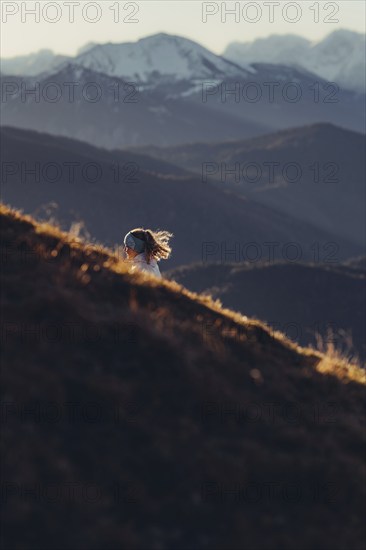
(308, 299)
(164, 368)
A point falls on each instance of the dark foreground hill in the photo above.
(303, 300)
(139, 415)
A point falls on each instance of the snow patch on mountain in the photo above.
(274, 49)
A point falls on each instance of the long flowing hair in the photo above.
(156, 243)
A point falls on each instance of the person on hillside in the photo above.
(145, 248)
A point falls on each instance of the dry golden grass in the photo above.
(329, 359)
(173, 355)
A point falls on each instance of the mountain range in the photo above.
(123, 115)
(339, 57)
(114, 191)
(168, 90)
(315, 173)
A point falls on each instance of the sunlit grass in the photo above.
(329, 359)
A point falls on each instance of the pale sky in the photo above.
(55, 30)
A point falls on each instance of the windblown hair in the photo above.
(156, 243)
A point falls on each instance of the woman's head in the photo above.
(155, 244)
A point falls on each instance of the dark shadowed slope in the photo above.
(314, 173)
(119, 431)
(86, 185)
(304, 301)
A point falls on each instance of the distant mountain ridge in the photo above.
(110, 112)
(168, 90)
(152, 195)
(158, 56)
(33, 64)
(324, 184)
(123, 115)
(339, 57)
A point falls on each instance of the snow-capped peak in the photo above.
(157, 55)
(339, 57)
